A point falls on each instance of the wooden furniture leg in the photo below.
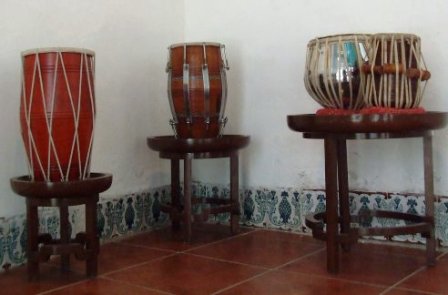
(331, 167)
(234, 193)
(175, 194)
(32, 220)
(187, 195)
(65, 234)
(429, 198)
(344, 202)
(92, 237)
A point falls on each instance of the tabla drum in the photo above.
(396, 72)
(57, 112)
(332, 71)
(197, 89)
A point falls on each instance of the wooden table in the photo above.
(335, 130)
(85, 246)
(175, 149)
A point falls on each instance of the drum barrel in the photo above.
(197, 89)
(57, 112)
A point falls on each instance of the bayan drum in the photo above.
(396, 72)
(57, 112)
(197, 89)
(332, 72)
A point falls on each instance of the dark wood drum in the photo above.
(197, 89)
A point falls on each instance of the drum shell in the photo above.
(197, 109)
(58, 133)
(389, 84)
(332, 72)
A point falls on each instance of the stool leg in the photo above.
(331, 204)
(429, 198)
(32, 221)
(92, 237)
(187, 195)
(175, 185)
(234, 193)
(344, 204)
(65, 238)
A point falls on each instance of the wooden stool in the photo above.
(188, 149)
(335, 130)
(85, 246)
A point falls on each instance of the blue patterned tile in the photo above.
(279, 208)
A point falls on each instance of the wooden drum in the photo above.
(396, 72)
(57, 112)
(332, 72)
(197, 89)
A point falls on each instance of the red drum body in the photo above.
(197, 89)
(396, 72)
(57, 112)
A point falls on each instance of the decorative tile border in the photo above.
(278, 208)
(286, 209)
(126, 215)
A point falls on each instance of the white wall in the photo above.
(266, 44)
(130, 40)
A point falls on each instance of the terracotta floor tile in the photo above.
(149, 263)
(101, 286)
(186, 274)
(261, 248)
(362, 266)
(300, 284)
(392, 248)
(15, 281)
(431, 279)
(174, 240)
(114, 256)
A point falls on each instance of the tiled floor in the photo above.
(256, 261)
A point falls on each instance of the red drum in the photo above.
(396, 72)
(57, 112)
(197, 89)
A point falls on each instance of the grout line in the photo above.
(144, 246)
(421, 269)
(442, 255)
(418, 270)
(227, 261)
(149, 247)
(218, 241)
(63, 286)
(299, 258)
(138, 264)
(413, 291)
(265, 272)
(104, 278)
(137, 285)
(242, 282)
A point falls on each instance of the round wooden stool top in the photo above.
(94, 184)
(170, 144)
(368, 123)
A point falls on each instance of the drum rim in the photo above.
(57, 49)
(390, 35)
(345, 37)
(175, 45)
